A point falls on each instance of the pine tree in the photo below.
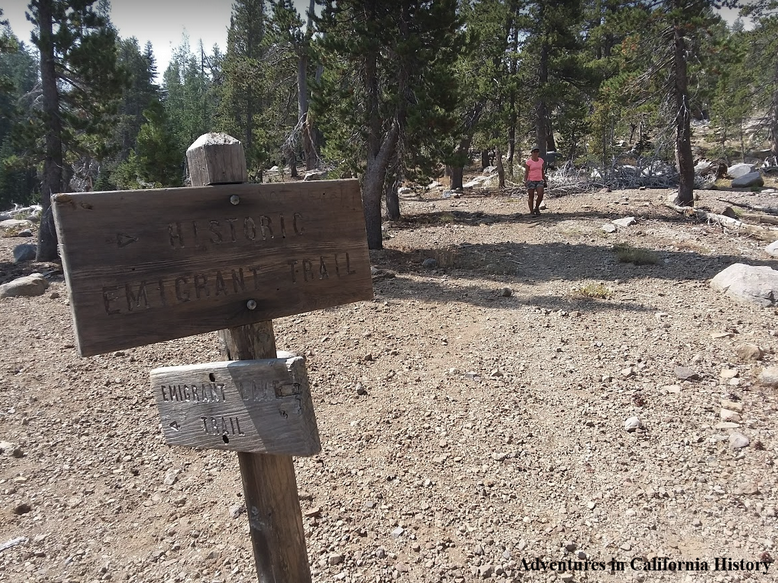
(18, 75)
(81, 84)
(243, 93)
(387, 93)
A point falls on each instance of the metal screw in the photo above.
(235, 199)
(251, 304)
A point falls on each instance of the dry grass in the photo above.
(626, 253)
(596, 291)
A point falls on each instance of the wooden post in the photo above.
(269, 483)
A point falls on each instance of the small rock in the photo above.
(361, 390)
(397, 532)
(684, 373)
(609, 228)
(566, 577)
(627, 372)
(485, 571)
(313, 512)
(429, 263)
(768, 376)
(624, 222)
(748, 352)
(22, 508)
(732, 405)
(728, 415)
(171, 477)
(738, 440)
(674, 389)
(726, 425)
(626, 547)
(728, 373)
(632, 424)
(506, 292)
(772, 249)
(25, 252)
(6, 447)
(570, 546)
(336, 559)
(24, 233)
(236, 510)
(30, 285)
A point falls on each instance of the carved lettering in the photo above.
(264, 224)
(298, 223)
(307, 269)
(182, 295)
(323, 274)
(133, 300)
(249, 229)
(292, 263)
(221, 288)
(216, 234)
(238, 282)
(107, 300)
(201, 285)
(174, 231)
(232, 222)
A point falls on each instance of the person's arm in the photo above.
(526, 172)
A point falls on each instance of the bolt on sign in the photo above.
(152, 265)
(259, 406)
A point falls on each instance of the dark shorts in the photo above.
(534, 184)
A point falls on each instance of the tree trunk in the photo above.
(309, 147)
(500, 169)
(541, 109)
(485, 159)
(774, 118)
(683, 142)
(52, 163)
(390, 192)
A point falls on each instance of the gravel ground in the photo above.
(472, 416)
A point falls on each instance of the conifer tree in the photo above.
(81, 85)
(244, 81)
(387, 91)
(18, 76)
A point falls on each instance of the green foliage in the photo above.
(191, 94)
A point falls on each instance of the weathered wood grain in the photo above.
(269, 483)
(260, 406)
(153, 265)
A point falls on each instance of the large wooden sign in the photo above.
(259, 406)
(152, 265)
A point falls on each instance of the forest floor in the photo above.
(488, 431)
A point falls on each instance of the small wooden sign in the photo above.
(259, 406)
(152, 265)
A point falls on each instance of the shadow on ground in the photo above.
(523, 265)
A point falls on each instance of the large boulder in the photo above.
(14, 224)
(772, 249)
(748, 284)
(748, 180)
(31, 285)
(739, 170)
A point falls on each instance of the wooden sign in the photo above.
(259, 406)
(152, 265)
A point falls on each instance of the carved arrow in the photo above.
(123, 240)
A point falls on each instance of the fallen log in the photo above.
(751, 207)
(758, 233)
(752, 217)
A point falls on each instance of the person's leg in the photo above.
(530, 199)
(539, 199)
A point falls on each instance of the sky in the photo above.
(163, 22)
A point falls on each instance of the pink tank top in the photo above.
(535, 169)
